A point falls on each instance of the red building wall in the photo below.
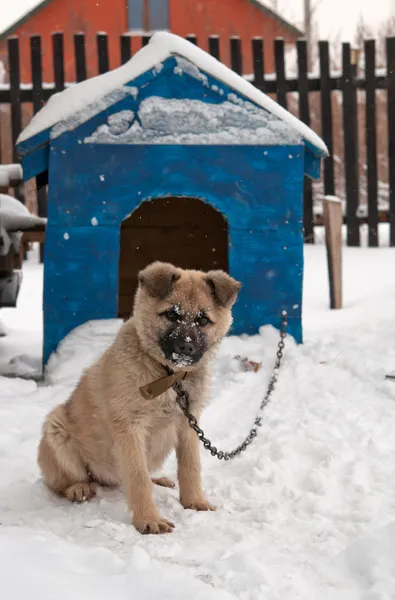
(72, 16)
(228, 18)
(225, 18)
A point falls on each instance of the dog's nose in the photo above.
(185, 348)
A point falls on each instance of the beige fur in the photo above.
(107, 434)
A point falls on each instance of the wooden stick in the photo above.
(333, 221)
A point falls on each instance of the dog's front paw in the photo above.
(152, 524)
(198, 503)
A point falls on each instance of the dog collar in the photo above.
(156, 388)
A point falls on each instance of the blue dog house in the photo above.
(171, 157)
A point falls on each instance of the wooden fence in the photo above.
(349, 82)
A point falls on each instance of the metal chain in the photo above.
(182, 400)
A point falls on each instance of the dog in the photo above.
(108, 433)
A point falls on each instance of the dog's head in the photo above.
(182, 314)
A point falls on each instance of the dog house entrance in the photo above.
(184, 231)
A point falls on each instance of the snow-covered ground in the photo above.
(308, 512)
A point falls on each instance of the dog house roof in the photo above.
(261, 121)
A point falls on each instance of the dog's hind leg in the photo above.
(60, 461)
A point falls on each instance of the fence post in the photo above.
(333, 221)
(102, 53)
(236, 59)
(351, 163)
(371, 141)
(58, 60)
(304, 115)
(281, 82)
(327, 118)
(258, 59)
(126, 51)
(391, 133)
(38, 101)
(16, 105)
(191, 38)
(213, 46)
(145, 40)
(80, 57)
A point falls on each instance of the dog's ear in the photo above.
(224, 288)
(158, 279)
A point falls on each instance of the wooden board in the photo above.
(184, 231)
(333, 219)
(258, 189)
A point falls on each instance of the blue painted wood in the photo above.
(312, 165)
(81, 269)
(164, 83)
(92, 188)
(258, 189)
(269, 263)
(254, 186)
(35, 163)
(33, 143)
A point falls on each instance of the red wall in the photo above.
(72, 16)
(227, 18)
(201, 17)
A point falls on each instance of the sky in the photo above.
(337, 17)
(334, 17)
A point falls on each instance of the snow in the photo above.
(173, 121)
(89, 95)
(84, 113)
(8, 173)
(11, 12)
(14, 216)
(308, 510)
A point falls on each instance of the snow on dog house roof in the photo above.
(251, 117)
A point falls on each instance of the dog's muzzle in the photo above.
(183, 347)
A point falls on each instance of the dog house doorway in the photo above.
(184, 231)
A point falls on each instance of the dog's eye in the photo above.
(202, 320)
(172, 315)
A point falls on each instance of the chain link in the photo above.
(182, 400)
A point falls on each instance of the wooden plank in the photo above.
(336, 83)
(33, 236)
(80, 57)
(281, 82)
(236, 58)
(327, 117)
(58, 61)
(351, 164)
(333, 220)
(103, 63)
(36, 66)
(371, 143)
(304, 115)
(258, 59)
(145, 40)
(191, 38)
(213, 46)
(16, 103)
(38, 101)
(126, 51)
(15, 92)
(391, 133)
(383, 217)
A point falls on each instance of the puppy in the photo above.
(107, 433)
